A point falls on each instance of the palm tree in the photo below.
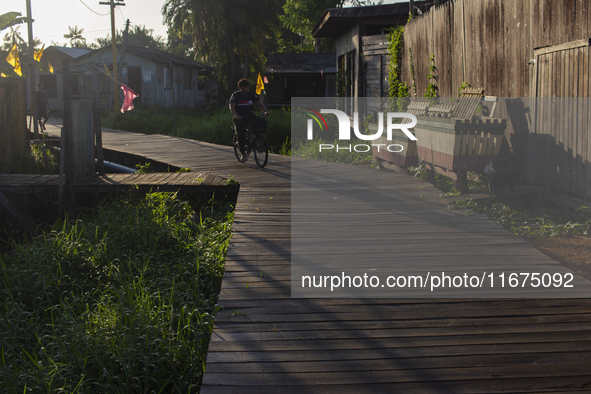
(228, 35)
(75, 37)
(14, 37)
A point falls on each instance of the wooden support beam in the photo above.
(562, 47)
(96, 121)
(68, 138)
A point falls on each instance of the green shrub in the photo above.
(213, 124)
(32, 161)
(121, 302)
(532, 216)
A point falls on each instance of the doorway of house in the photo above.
(134, 79)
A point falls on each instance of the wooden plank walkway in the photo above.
(265, 341)
(184, 182)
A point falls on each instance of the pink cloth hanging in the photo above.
(129, 96)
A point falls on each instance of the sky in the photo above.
(52, 18)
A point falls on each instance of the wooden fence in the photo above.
(83, 136)
(12, 121)
(517, 48)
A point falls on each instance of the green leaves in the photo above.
(123, 299)
(397, 88)
(10, 19)
(525, 216)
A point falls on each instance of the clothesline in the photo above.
(128, 93)
(110, 76)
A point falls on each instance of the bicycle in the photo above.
(254, 141)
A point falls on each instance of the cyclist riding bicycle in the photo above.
(241, 104)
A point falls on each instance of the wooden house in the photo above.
(52, 82)
(299, 75)
(160, 79)
(360, 71)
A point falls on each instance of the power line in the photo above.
(85, 33)
(122, 17)
(93, 10)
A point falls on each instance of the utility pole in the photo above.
(32, 75)
(122, 58)
(412, 8)
(114, 45)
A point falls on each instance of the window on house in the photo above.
(49, 84)
(187, 79)
(167, 77)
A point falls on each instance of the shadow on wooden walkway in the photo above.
(265, 341)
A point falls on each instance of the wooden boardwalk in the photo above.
(265, 341)
(185, 182)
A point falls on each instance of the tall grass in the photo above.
(121, 302)
(528, 216)
(36, 158)
(213, 124)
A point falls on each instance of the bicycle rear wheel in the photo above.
(236, 147)
(260, 151)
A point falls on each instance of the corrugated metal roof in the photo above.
(152, 54)
(162, 57)
(334, 20)
(72, 52)
(301, 63)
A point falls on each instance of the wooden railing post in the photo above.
(68, 136)
(96, 116)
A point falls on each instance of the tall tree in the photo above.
(75, 37)
(229, 36)
(13, 36)
(138, 36)
(301, 16)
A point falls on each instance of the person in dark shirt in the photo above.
(42, 106)
(241, 104)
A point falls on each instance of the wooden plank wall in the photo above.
(84, 151)
(12, 121)
(376, 61)
(491, 43)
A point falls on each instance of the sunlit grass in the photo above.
(120, 302)
(212, 125)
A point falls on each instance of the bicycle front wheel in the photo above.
(261, 154)
(236, 147)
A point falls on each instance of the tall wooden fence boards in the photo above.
(12, 120)
(517, 48)
(376, 59)
(83, 136)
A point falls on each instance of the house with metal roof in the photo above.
(160, 79)
(354, 26)
(52, 82)
(299, 75)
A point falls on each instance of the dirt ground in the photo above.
(574, 252)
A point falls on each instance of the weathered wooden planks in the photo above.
(184, 182)
(265, 341)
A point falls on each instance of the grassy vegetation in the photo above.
(122, 301)
(523, 215)
(213, 124)
(446, 184)
(532, 216)
(32, 161)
